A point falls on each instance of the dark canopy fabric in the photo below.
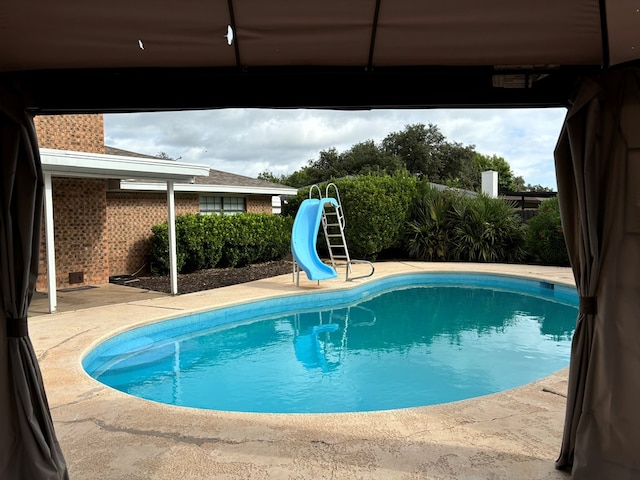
(598, 170)
(161, 54)
(27, 437)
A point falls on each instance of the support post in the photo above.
(50, 243)
(172, 238)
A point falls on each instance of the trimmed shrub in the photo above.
(545, 240)
(209, 241)
(375, 207)
(277, 238)
(255, 238)
(198, 238)
(159, 254)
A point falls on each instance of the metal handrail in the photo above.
(340, 214)
(361, 276)
(317, 188)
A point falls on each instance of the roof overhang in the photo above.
(202, 188)
(65, 163)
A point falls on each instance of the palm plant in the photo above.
(427, 236)
(487, 230)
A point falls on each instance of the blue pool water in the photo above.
(406, 341)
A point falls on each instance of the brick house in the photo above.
(102, 223)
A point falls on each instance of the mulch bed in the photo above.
(213, 278)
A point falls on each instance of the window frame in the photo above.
(222, 205)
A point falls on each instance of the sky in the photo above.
(250, 141)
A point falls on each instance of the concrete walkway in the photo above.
(106, 434)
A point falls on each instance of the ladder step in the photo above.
(334, 235)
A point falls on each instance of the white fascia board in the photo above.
(64, 163)
(204, 188)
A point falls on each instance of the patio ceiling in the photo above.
(120, 55)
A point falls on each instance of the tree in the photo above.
(458, 169)
(418, 147)
(327, 166)
(366, 158)
(268, 176)
(537, 188)
(165, 156)
(507, 182)
(362, 158)
(301, 178)
(420, 150)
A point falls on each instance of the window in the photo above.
(221, 205)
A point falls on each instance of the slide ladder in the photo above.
(333, 225)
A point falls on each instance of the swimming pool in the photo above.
(403, 341)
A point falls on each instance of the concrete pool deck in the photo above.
(106, 434)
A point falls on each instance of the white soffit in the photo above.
(65, 163)
(207, 188)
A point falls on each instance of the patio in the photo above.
(105, 434)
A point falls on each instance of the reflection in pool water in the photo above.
(409, 346)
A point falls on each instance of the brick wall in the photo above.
(80, 233)
(79, 204)
(258, 204)
(80, 133)
(130, 216)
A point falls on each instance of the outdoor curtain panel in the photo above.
(27, 438)
(598, 171)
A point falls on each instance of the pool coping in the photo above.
(108, 434)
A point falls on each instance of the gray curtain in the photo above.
(598, 170)
(28, 445)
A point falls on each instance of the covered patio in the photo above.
(60, 163)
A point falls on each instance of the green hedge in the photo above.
(545, 241)
(255, 238)
(376, 208)
(209, 241)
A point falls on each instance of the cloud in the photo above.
(249, 141)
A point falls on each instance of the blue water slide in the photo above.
(304, 237)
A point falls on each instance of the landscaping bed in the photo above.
(213, 278)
